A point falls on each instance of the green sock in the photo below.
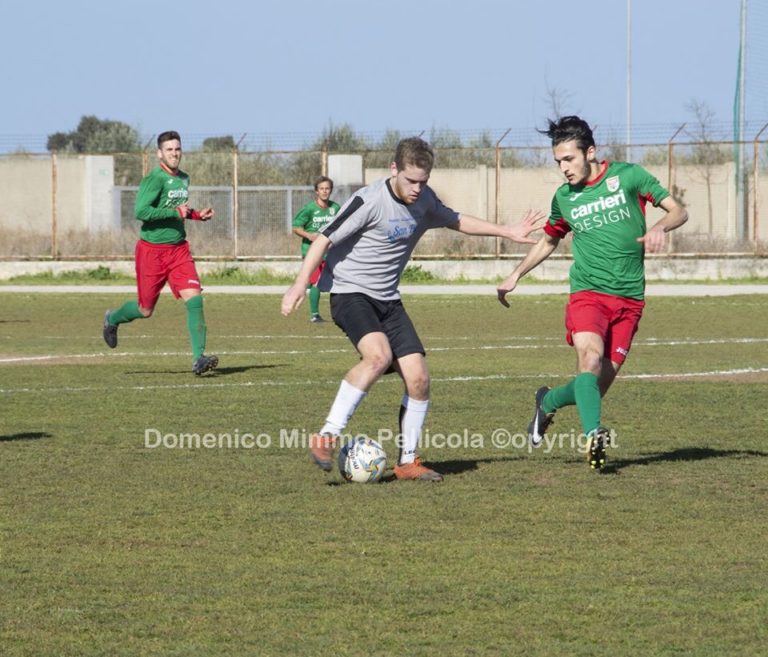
(559, 397)
(314, 300)
(125, 313)
(588, 400)
(196, 325)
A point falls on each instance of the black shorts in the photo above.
(358, 315)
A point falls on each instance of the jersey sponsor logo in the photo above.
(178, 193)
(606, 210)
(612, 183)
(401, 228)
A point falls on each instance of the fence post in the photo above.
(497, 208)
(236, 195)
(324, 159)
(756, 186)
(54, 216)
(670, 172)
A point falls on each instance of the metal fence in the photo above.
(70, 206)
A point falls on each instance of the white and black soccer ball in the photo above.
(362, 460)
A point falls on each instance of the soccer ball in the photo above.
(362, 460)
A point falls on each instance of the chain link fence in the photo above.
(62, 206)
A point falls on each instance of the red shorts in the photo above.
(614, 319)
(315, 276)
(157, 264)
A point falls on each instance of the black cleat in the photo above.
(110, 331)
(541, 420)
(316, 319)
(205, 364)
(599, 439)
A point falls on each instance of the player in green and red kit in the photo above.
(604, 206)
(162, 252)
(307, 224)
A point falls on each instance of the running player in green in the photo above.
(310, 221)
(162, 252)
(603, 204)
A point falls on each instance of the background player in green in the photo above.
(307, 224)
(604, 206)
(162, 252)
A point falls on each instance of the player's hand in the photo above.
(504, 288)
(654, 239)
(531, 221)
(206, 214)
(293, 298)
(183, 210)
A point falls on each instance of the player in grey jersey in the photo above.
(373, 236)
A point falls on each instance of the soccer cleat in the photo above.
(541, 420)
(416, 470)
(204, 364)
(321, 450)
(316, 319)
(110, 331)
(599, 439)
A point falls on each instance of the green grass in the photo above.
(412, 275)
(108, 547)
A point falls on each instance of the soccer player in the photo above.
(307, 224)
(603, 204)
(373, 236)
(162, 252)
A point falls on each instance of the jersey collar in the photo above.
(599, 177)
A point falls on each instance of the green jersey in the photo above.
(160, 193)
(607, 215)
(313, 219)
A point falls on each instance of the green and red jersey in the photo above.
(313, 219)
(160, 193)
(607, 215)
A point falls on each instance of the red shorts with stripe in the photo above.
(614, 319)
(158, 264)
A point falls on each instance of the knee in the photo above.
(418, 386)
(379, 361)
(147, 312)
(590, 360)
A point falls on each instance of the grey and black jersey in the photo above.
(373, 236)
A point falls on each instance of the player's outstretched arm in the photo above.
(531, 221)
(540, 252)
(293, 298)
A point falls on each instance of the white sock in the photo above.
(412, 415)
(348, 398)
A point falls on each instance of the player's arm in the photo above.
(295, 294)
(538, 254)
(531, 221)
(676, 215)
(145, 208)
(299, 226)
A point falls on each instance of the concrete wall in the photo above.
(84, 185)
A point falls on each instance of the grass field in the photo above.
(112, 546)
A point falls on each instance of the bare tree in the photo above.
(706, 155)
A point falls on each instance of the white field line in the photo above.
(650, 342)
(450, 379)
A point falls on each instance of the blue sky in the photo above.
(292, 67)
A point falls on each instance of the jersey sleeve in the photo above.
(146, 209)
(648, 188)
(301, 219)
(441, 215)
(556, 226)
(354, 215)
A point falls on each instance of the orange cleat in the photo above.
(321, 450)
(417, 470)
